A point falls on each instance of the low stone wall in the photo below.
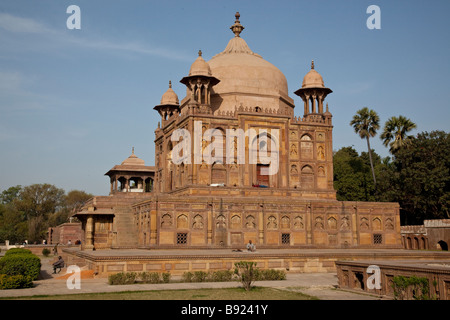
(354, 275)
(113, 261)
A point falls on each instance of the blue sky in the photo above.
(74, 102)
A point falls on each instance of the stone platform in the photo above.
(178, 261)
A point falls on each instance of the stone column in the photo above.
(261, 225)
(206, 93)
(313, 99)
(306, 99)
(320, 99)
(355, 225)
(153, 228)
(89, 232)
(210, 223)
(308, 224)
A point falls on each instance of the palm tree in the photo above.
(366, 123)
(394, 132)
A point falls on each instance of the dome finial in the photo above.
(237, 27)
(170, 84)
(199, 53)
(312, 64)
(132, 150)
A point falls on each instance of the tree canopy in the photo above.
(417, 177)
(26, 213)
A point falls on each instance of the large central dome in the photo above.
(246, 78)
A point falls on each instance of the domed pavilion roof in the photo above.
(169, 97)
(313, 79)
(200, 67)
(133, 160)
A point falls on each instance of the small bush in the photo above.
(271, 274)
(28, 265)
(221, 276)
(15, 282)
(166, 277)
(45, 252)
(122, 278)
(419, 287)
(199, 276)
(17, 251)
(187, 277)
(150, 277)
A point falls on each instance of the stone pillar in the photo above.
(355, 225)
(320, 100)
(308, 224)
(261, 225)
(210, 223)
(89, 232)
(206, 93)
(153, 227)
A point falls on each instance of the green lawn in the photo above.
(257, 293)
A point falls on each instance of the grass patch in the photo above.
(257, 293)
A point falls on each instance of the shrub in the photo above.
(166, 277)
(15, 282)
(150, 277)
(221, 276)
(122, 278)
(28, 265)
(271, 274)
(419, 287)
(45, 252)
(17, 251)
(199, 276)
(187, 277)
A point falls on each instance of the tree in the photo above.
(75, 199)
(13, 226)
(8, 195)
(366, 123)
(352, 175)
(421, 179)
(37, 202)
(246, 272)
(394, 133)
(73, 202)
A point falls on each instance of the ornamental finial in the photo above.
(312, 64)
(237, 27)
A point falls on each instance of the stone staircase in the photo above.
(126, 233)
